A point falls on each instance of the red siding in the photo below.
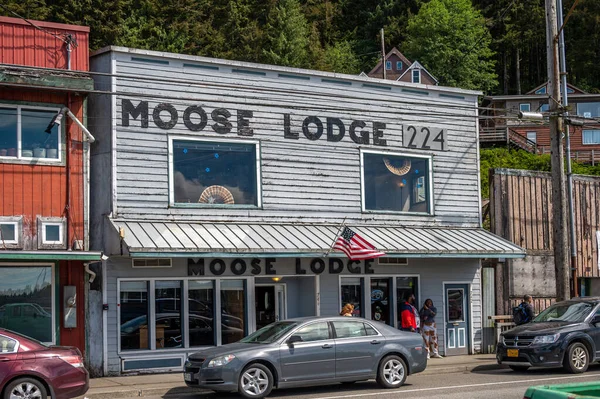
(543, 137)
(72, 273)
(22, 44)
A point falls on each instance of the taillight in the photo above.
(75, 361)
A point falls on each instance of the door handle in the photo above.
(4, 359)
(327, 346)
(375, 342)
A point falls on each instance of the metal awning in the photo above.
(177, 239)
(50, 255)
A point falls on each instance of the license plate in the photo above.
(187, 376)
(512, 352)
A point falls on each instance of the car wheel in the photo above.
(256, 381)
(392, 372)
(577, 358)
(519, 368)
(25, 388)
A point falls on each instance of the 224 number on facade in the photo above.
(423, 138)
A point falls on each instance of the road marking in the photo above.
(487, 384)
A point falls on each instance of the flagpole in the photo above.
(336, 236)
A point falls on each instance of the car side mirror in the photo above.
(293, 339)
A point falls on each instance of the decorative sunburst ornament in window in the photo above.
(216, 195)
(401, 170)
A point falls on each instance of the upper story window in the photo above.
(416, 76)
(525, 107)
(24, 133)
(544, 108)
(541, 90)
(51, 233)
(532, 136)
(591, 136)
(388, 65)
(10, 231)
(397, 183)
(209, 173)
(399, 65)
(588, 110)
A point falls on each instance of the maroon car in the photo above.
(30, 369)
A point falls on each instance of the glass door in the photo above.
(380, 300)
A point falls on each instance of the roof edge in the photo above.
(44, 24)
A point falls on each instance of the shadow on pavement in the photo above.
(533, 372)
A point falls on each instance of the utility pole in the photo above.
(565, 103)
(559, 207)
(383, 53)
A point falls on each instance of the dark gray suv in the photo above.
(309, 351)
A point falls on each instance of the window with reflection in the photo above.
(201, 313)
(167, 295)
(588, 110)
(133, 307)
(233, 303)
(380, 300)
(351, 288)
(396, 183)
(211, 173)
(26, 301)
(23, 133)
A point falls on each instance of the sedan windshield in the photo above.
(566, 311)
(270, 333)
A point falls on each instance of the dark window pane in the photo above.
(380, 300)
(35, 141)
(7, 232)
(233, 299)
(168, 314)
(396, 183)
(134, 315)
(214, 173)
(370, 330)
(352, 293)
(26, 301)
(405, 286)
(456, 305)
(52, 233)
(8, 132)
(202, 313)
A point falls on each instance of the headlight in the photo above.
(546, 339)
(220, 361)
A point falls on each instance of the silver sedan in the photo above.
(308, 351)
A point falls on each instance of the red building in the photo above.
(43, 180)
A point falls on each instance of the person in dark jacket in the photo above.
(409, 316)
(527, 304)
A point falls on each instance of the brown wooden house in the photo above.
(400, 68)
(497, 129)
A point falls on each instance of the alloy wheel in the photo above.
(393, 372)
(25, 391)
(254, 381)
(579, 358)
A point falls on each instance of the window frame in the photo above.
(430, 200)
(399, 65)
(43, 243)
(388, 63)
(352, 320)
(585, 103)
(18, 222)
(531, 132)
(583, 136)
(412, 79)
(171, 173)
(525, 110)
(19, 158)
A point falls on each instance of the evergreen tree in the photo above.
(450, 38)
(287, 34)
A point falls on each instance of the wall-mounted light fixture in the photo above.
(276, 279)
(57, 119)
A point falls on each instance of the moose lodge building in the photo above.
(221, 187)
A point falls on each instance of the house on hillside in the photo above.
(44, 170)
(496, 129)
(400, 68)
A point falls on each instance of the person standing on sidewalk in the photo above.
(428, 330)
(409, 316)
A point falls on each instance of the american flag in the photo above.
(355, 247)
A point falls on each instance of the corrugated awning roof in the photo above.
(173, 239)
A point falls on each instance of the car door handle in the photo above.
(4, 359)
(375, 342)
(327, 346)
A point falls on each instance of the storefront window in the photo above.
(233, 299)
(134, 315)
(396, 183)
(214, 173)
(405, 287)
(380, 300)
(352, 293)
(201, 317)
(23, 133)
(26, 301)
(168, 314)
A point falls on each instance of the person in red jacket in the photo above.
(409, 314)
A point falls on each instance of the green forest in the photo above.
(497, 46)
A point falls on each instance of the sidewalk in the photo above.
(172, 384)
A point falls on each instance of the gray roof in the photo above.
(165, 238)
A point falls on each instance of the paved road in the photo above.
(484, 384)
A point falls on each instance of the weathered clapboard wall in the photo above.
(521, 212)
(302, 180)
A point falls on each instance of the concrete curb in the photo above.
(182, 390)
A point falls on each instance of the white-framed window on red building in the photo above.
(26, 134)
